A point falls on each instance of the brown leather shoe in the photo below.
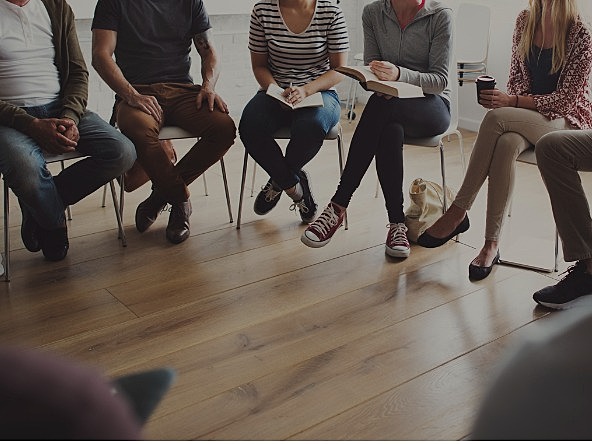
(148, 210)
(178, 228)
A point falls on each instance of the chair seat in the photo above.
(174, 132)
(528, 156)
(49, 158)
(424, 141)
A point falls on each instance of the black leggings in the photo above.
(380, 132)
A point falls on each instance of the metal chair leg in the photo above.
(118, 214)
(226, 188)
(6, 236)
(242, 191)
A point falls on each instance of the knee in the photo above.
(25, 176)
(546, 146)
(226, 130)
(127, 153)
(250, 128)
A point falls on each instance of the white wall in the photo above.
(237, 84)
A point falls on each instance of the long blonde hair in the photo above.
(563, 14)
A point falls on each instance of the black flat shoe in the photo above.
(476, 272)
(428, 241)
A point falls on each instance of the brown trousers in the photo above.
(216, 131)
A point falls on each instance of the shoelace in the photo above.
(300, 205)
(398, 234)
(571, 272)
(270, 193)
(327, 220)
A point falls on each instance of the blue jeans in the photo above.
(23, 167)
(263, 116)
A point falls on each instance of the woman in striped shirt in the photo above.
(294, 44)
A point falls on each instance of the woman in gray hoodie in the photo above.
(408, 41)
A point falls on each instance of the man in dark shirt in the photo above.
(151, 40)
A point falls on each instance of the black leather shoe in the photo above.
(54, 244)
(178, 228)
(30, 232)
(476, 272)
(425, 240)
(148, 210)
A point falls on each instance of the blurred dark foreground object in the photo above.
(45, 397)
(544, 388)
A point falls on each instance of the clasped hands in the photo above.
(55, 136)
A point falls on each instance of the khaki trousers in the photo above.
(215, 129)
(560, 155)
(503, 135)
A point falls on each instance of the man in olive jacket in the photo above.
(43, 97)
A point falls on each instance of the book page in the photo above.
(395, 89)
(360, 73)
(276, 92)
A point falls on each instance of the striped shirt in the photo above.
(297, 58)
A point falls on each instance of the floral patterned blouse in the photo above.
(571, 99)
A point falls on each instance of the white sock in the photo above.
(297, 193)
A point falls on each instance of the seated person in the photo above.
(294, 44)
(548, 90)
(150, 76)
(43, 96)
(409, 41)
(560, 155)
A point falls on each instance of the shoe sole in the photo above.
(556, 306)
(311, 243)
(564, 306)
(397, 253)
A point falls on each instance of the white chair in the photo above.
(529, 157)
(177, 133)
(284, 133)
(52, 159)
(350, 103)
(472, 41)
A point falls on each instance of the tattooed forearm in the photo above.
(203, 41)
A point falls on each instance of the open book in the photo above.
(370, 82)
(277, 92)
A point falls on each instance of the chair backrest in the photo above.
(472, 33)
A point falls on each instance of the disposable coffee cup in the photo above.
(484, 82)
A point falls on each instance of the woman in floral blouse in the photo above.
(548, 90)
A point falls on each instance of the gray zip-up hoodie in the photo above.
(422, 50)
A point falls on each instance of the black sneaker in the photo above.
(307, 205)
(563, 295)
(267, 199)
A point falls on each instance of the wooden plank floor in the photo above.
(272, 340)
